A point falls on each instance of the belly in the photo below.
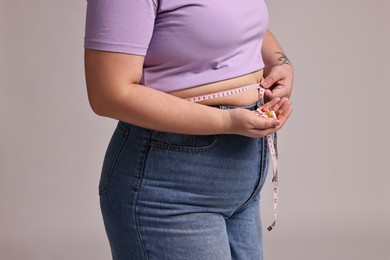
(241, 99)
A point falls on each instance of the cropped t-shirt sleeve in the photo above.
(124, 26)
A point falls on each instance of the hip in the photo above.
(216, 172)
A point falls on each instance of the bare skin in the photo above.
(278, 71)
(114, 91)
(277, 78)
(242, 99)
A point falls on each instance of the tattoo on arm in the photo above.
(283, 58)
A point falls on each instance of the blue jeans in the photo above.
(173, 196)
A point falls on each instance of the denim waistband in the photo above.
(249, 107)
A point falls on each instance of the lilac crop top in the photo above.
(185, 42)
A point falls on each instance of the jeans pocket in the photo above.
(182, 142)
(114, 149)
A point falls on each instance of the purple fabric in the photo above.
(185, 43)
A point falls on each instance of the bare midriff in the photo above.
(242, 99)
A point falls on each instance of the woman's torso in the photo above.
(190, 47)
(199, 47)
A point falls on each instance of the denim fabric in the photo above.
(170, 196)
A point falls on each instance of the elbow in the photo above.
(98, 110)
(106, 104)
(96, 107)
(100, 100)
(99, 105)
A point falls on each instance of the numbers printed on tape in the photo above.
(223, 93)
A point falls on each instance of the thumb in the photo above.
(266, 123)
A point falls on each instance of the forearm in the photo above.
(149, 108)
(272, 52)
(114, 91)
(278, 70)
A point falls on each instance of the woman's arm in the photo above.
(114, 91)
(278, 70)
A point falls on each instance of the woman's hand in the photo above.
(278, 81)
(278, 70)
(249, 123)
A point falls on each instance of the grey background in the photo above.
(334, 152)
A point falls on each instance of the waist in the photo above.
(240, 99)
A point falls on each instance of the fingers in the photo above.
(270, 130)
(281, 91)
(283, 109)
(271, 78)
(272, 103)
(268, 95)
(278, 83)
(249, 123)
(269, 123)
(264, 126)
(284, 116)
(276, 103)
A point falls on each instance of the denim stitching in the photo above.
(144, 152)
(124, 134)
(189, 149)
(141, 159)
(264, 158)
(257, 189)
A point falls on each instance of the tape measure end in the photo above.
(272, 226)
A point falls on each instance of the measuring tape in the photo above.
(271, 139)
(223, 93)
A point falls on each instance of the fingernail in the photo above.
(277, 122)
(264, 84)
